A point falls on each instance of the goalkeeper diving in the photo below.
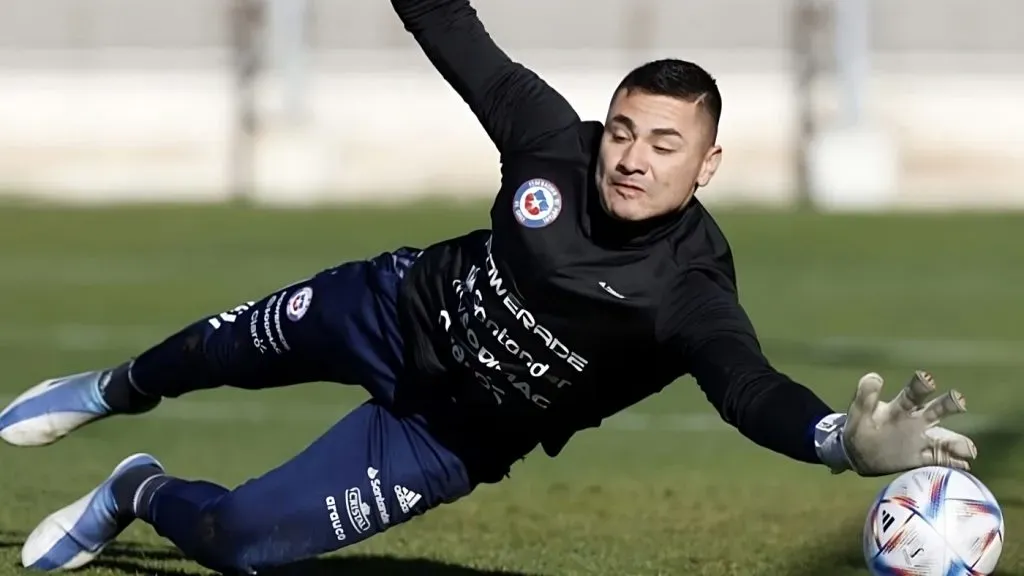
(601, 280)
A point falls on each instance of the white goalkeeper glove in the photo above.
(876, 438)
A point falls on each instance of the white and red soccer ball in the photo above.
(934, 521)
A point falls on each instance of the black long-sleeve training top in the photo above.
(559, 316)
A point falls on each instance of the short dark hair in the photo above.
(678, 79)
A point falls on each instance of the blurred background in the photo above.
(161, 162)
(860, 102)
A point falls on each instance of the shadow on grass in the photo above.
(347, 566)
(133, 558)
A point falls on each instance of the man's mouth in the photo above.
(627, 189)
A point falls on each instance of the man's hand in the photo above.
(876, 438)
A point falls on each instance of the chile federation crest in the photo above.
(537, 203)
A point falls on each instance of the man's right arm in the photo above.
(515, 106)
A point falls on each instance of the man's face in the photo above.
(655, 152)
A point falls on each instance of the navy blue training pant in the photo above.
(372, 470)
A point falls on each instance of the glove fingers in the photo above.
(956, 463)
(915, 393)
(866, 398)
(952, 402)
(948, 448)
(937, 456)
(956, 444)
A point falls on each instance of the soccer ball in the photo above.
(934, 521)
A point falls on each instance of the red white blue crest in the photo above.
(537, 203)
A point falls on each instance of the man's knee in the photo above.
(345, 319)
(257, 344)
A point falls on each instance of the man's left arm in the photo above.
(718, 344)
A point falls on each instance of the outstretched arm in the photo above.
(514, 105)
(718, 344)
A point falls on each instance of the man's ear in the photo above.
(712, 160)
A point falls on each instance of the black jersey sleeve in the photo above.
(716, 342)
(515, 106)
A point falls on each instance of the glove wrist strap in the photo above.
(828, 443)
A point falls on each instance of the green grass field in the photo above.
(663, 489)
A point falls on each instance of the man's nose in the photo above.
(633, 160)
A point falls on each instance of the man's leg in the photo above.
(371, 471)
(340, 325)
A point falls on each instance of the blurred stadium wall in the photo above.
(111, 100)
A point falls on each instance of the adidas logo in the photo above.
(887, 520)
(406, 498)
